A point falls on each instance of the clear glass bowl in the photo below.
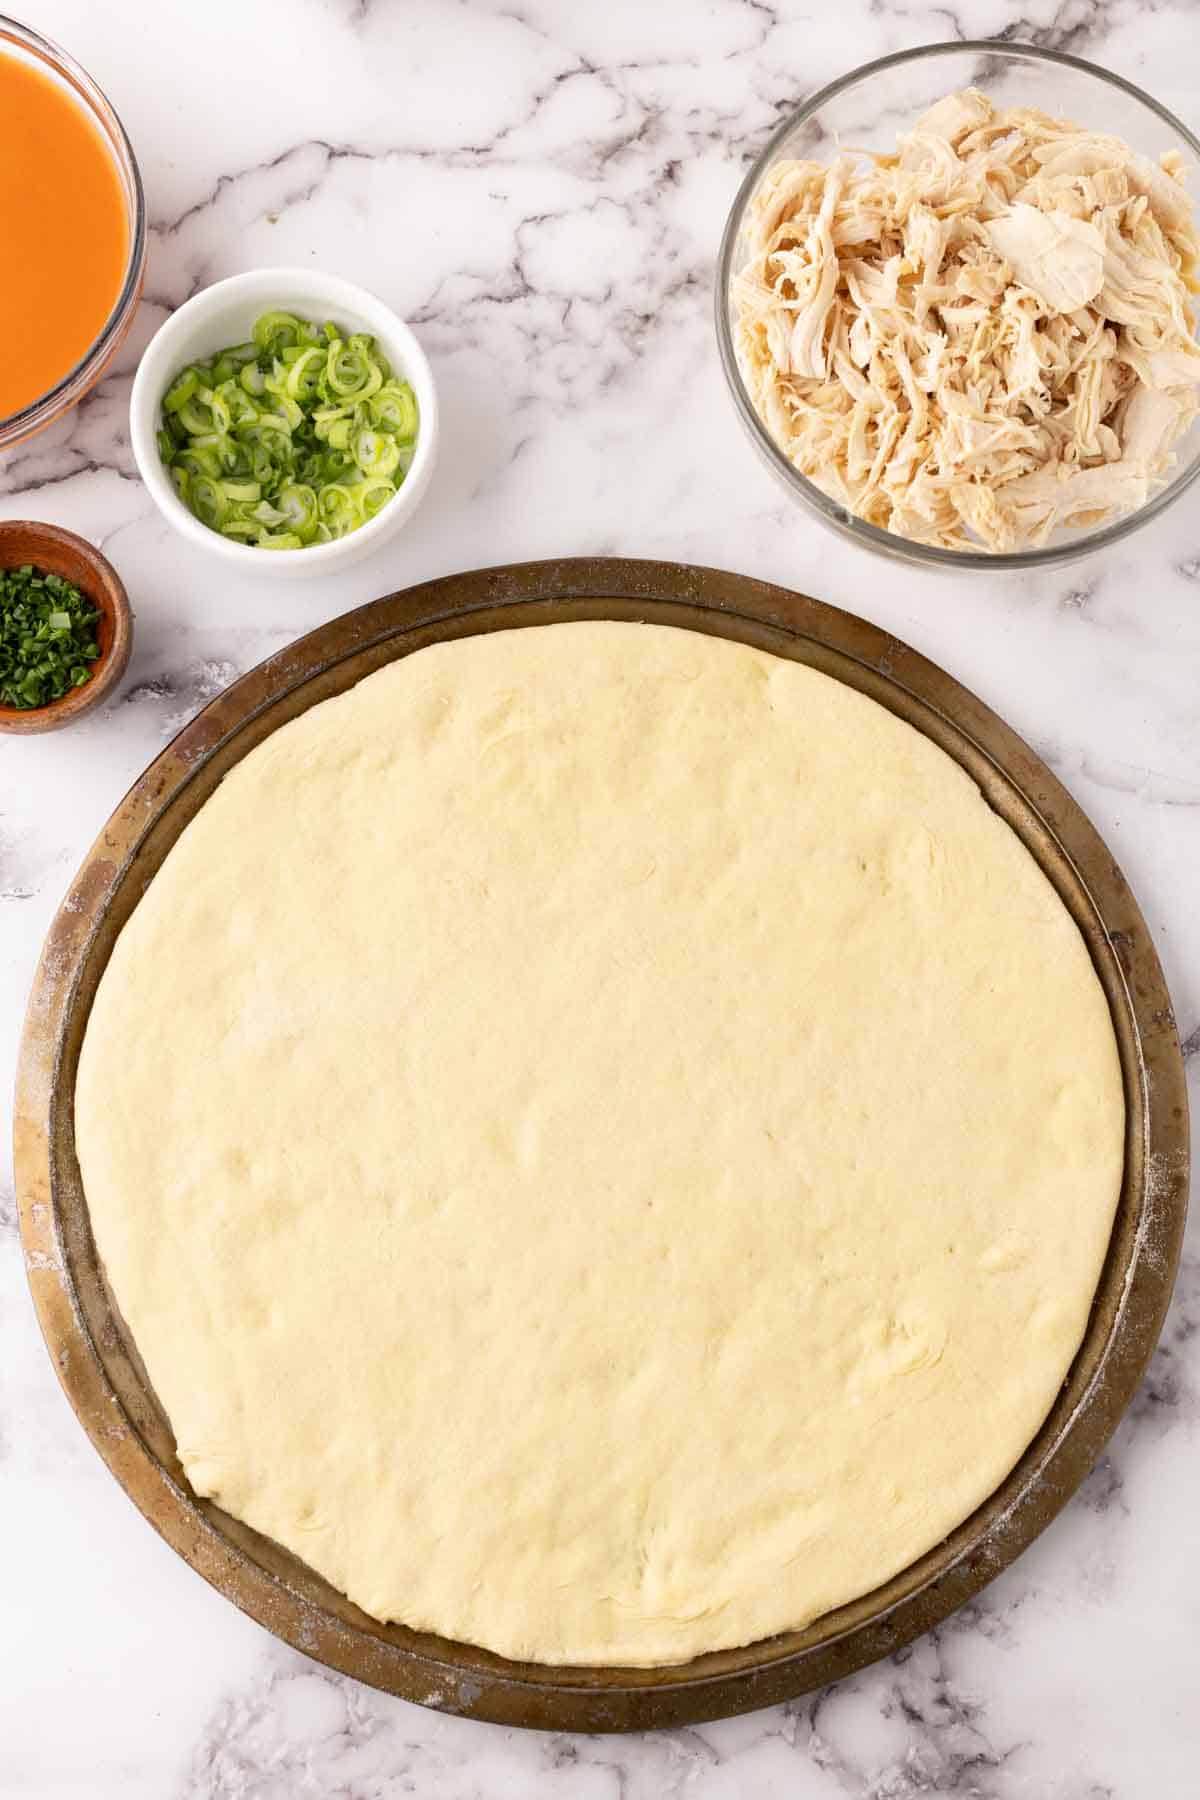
(867, 109)
(18, 39)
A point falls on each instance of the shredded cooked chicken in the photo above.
(981, 338)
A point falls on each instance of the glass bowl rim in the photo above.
(874, 537)
(57, 399)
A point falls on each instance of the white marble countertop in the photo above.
(539, 186)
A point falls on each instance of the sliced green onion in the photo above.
(263, 423)
(295, 438)
(350, 370)
(394, 409)
(375, 452)
(196, 413)
(372, 495)
(181, 389)
(207, 501)
(262, 463)
(338, 509)
(198, 461)
(282, 404)
(304, 374)
(274, 331)
(298, 504)
(240, 406)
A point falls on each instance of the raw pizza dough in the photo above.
(604, 1141)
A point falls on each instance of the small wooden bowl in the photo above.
(59, 552)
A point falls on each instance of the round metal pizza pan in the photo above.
(98, 1363)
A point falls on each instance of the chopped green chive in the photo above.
(47, 637)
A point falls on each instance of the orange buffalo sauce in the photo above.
(64, 231)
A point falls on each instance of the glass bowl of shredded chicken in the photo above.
(956, 305)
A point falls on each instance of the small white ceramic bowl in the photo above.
(224, 314)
